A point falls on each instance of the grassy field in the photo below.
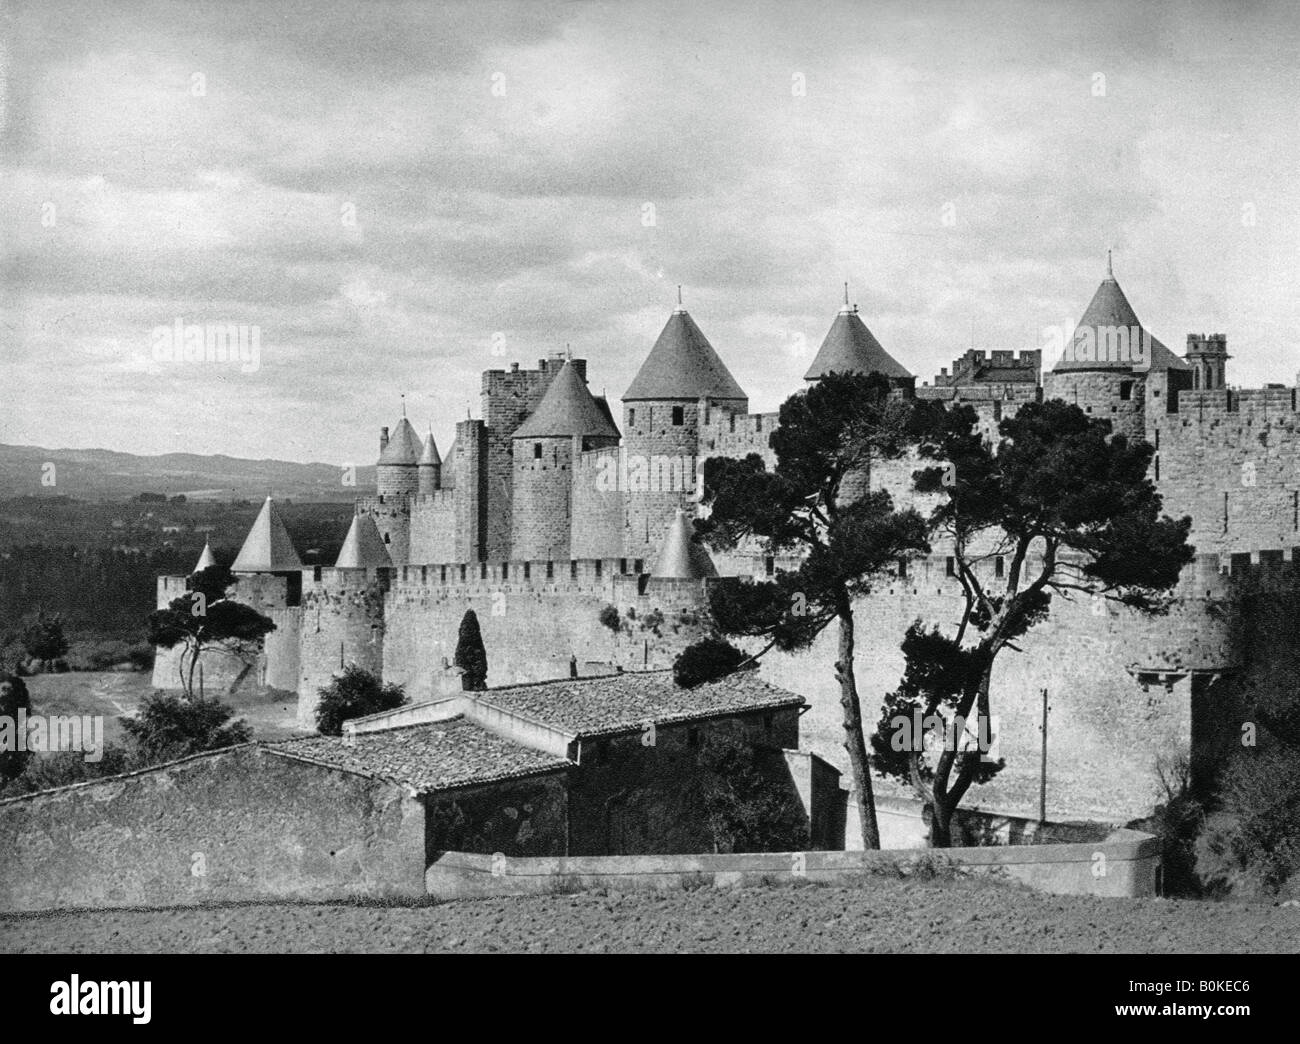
(117, 693)
(880, 915)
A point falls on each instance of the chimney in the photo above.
(383, 439)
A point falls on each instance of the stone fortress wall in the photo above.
(538, 546)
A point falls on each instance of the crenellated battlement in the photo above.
(997, 367)
(1274, 402)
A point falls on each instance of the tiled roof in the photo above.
(683, 365)
(850, 347)
(404, 447)
(438, 756)
(601, 706)
(567, 409)
(680, 558)
(268, 547)
(206, 559)
(1109, 309)
(430, 454)
(363, 546)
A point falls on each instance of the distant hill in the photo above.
(97, 474)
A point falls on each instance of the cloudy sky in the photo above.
(399, 196)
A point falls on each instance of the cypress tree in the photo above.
(471, 657)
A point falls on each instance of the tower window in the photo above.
(1125, 390)
(999, 566)
(537, 451)
(902, 568)
(951, 567)
(679, 416)
(631, 416)
(997, 409)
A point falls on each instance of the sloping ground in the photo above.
(112, 694)
(882, 915)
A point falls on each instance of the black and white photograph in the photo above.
(650, 477)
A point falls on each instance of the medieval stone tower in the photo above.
(672, 397)
(1106, 366)
(567, 422)
(573, 543)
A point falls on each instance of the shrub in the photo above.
(65, 767)
(170, 727)
(1254, 846)
(13, 697)
(609, 617)
(1177, 823)
(44, 639)
(354, 694)
(747, 810)
(707, 660)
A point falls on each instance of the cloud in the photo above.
(382, 194)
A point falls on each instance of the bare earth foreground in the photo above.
(883, 915)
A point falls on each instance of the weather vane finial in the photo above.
(1110, 273)
(403, 404)
(846, 294)
(679, 295)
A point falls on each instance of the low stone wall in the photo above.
(903, 826)
(234, 825)
(1124, 864)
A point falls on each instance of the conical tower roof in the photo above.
(566, 409)
(1109, 310)
(206, 559)
(681, 558)
(267, 548)
(404, 446)
(363, 546)
(430, 454)
(683, 365)
(850, 347)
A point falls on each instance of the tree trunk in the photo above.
(940, 824)
(189, 678)
(854, 741)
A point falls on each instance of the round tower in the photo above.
(430, 467)
(399, 458)
(1106, 363)
(566, 422)
(681, 382)
(849, 347)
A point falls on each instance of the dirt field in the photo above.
(881, 915)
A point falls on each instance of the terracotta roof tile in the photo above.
(621, 703)
(452, 753)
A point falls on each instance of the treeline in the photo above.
(98, 590)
